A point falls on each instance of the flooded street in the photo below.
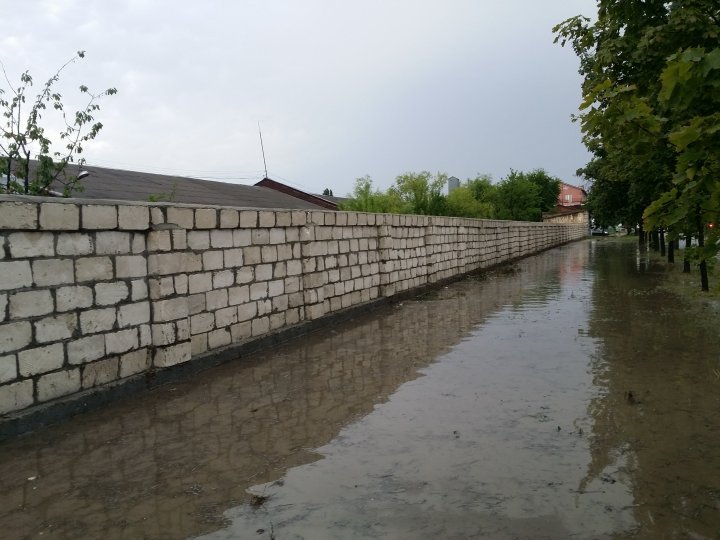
(567, 396)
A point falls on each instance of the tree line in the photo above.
(521, 196)
(650, 116)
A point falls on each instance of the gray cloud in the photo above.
(341, 89)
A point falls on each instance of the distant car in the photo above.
(599, 231)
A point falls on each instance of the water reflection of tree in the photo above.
(655, 425)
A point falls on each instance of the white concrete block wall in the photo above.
(94, 292)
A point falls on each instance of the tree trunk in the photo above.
(701, 242)
(654, 240)
(641, 235)
(671, 251)
(661, 234)
(686, 261)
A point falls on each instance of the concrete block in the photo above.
(229, 219)
(130, 266)
(181, 283)
(87, 349)
(219, 338)
(31, 244)
(133, 218)
(206, 218)
(198, 344)
(30, 304)
(55, 328)
(198, 283)
(17, 215)
(277, 320)
(266, 218)
(99, 216)
(53, 272)
(170, 356)
(122, 341)
(97, 320)
(238, 295)
(133, 314)
(202, 323)
(167, 263)
(161, 287)
(242, 237)
(268, 254)
(181, 216)
(196, 303)
(226, 316)
(260, 237)
(145, 335)
(292, 235)
(59, 217)
(248, 218)
(264, 307)
(247, 311)
(93, 269)
(260, 326)
(159, 240)
(16, 396)
(170, 310)
(61, 383)
(276, 288)
(251, 255)
(212, 260)
(241, 331)
(223, 279)
(279, 270)
(157, 216)
(298, 218)
(233, 258)
(112, 242)
(283, 219)
(220, 238)
(263, 272)
(179, 239)
(258, 291)
(111, 293)
(134, 362)
(277, 236)
(41, 359)
(99, 373)
(198, 240)
(163, 334)
(8, 368)
(245, 275)
(216, 299)
(74, 243)
(138, 290)
(15, 275)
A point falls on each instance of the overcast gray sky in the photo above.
(341, 89)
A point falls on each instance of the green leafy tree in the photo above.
(422, 193)
(24, 139)
(549, 187)
(518, 198)
(365, 199)
(650, 111)
(473, 198)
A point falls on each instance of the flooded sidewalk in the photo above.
(566, 396)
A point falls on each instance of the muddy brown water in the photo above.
(565, 397)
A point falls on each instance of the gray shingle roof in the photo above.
(139, 186)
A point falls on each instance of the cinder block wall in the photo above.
(95, 292)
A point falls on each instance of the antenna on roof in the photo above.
(263, 149)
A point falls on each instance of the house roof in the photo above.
(572, 186)
(319, 200)
(103, 183)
